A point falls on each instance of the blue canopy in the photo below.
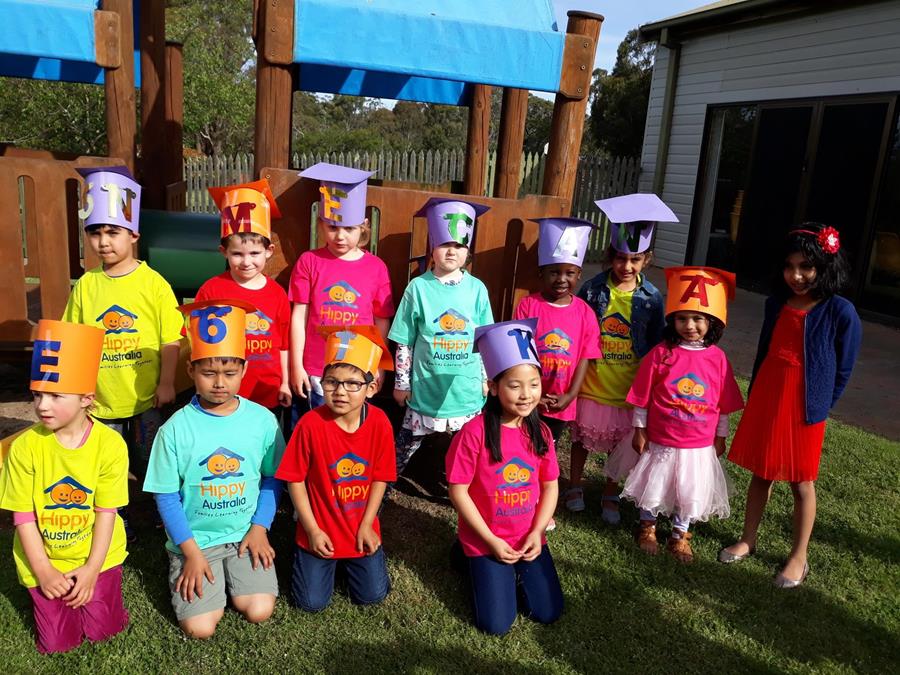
(425, 50)
(53, 40)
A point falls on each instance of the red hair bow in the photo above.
(828, 238)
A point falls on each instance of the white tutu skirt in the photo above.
(690, 483)
(621, 459)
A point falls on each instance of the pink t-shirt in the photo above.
(684, 391)
(565, 335)
(338, 292)
(506, 493)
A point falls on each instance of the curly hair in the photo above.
(832, 269)
(713, 334)
(610, 254)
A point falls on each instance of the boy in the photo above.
(135, 307)
(247, 212)
(211, 469)
(338, 463)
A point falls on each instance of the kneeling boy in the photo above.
(338, 463)
(212, 469)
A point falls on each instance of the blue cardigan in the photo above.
(831, 337)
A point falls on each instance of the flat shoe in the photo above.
(782, 581)
(727, 557)
(574, 498)
(611, 516)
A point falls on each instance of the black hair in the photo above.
(368, 377)
(96, 226)
(253, 237)
(832, 269)
(610, 254)
(713, 334)
(531, 427)
(223, 360)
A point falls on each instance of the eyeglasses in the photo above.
(352, 386)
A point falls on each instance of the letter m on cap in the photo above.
(237, 217)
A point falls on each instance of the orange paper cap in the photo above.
(217, 328)
(248, 207)
(360, 346)
(66, 357)
(699, 289)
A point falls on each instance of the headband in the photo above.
(828, 238)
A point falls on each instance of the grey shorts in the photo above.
(233, 576)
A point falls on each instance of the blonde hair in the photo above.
(365, 232)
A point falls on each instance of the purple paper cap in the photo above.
(633, 219)
(343, 193)
(507, 344)
(451, 220)
(563, 240)
(112, 197)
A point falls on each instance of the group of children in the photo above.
(625, 371)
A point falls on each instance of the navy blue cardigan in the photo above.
(831, 337)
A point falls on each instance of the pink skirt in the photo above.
(599, 427)
(621, 459)
(690, 483)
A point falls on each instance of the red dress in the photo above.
(773, 439)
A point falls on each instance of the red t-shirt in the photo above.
(268, 333)
(339, 468)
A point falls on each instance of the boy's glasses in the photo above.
(352, 386)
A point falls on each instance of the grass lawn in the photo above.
(625, 611)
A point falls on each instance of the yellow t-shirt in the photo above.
(139, 313)
(62, 486)
(608, 379)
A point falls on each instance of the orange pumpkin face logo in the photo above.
(689, 387)
(111, 320)
(349, 468)
(343, 294)
(447, 322)
(68, 493)
(451, 322)
(61, 494)
(554, 341)
(216, 464)
(221, 464)
(515, 473)
(117, 319)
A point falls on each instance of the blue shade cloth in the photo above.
(356, 82)
(44, 40)
(456, 40)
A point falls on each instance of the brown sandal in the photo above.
(646, 537)
(680, 548)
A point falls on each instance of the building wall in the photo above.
(849, 51)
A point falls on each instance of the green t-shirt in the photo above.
(438, 321)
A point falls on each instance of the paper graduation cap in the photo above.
(451, 220)
(507, 344)
(66, 357)
(699, 289)
(217, 328)
(248, 207)
(563, 240)
(112, 197)
(633, 218)
(343, 191)
(360, 346)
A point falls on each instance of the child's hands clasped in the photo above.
(257, 542)
(367, 541)
(83, 580)
(53, 583)
(504, 552)
(531, 547)
(401, 396)
(320, 543)
(639, 442)
(190, 581)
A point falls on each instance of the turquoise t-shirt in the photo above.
(216, 463)
(438, 321)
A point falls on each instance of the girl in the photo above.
(629, 310)
(683, 394)
(63, 480)
(807, 347)
(502, 471)
(337, 284)
(439, 379)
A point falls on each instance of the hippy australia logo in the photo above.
(555, 341)
(451, 322)
(352, 487)
(513, 496)
(690, 388)
(451, 342)
(615, 326)
(221, 464)
(349, 468)
(257, 323)
(341, 294)
(117, 319)
(67, 493)
(516, 473)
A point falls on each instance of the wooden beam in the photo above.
(121, 109)
(173, 166)
(154, 138)
(577, 66)
(477, 140)
(568, 120)
(106, 39)
(513, 112)
(274, 88)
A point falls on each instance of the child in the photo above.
(212, 471)
(439, 379)
(338, 284)
(337, 465)
(247, 212)
(629, 310)
(807, 347)
(136, 308)
(567, 330)
(682, 396)
(63, 480)
(502, 472)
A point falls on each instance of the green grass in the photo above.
(625, 611)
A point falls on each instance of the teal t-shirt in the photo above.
(438, 321)
(216, 463)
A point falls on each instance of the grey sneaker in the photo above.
(574, 498)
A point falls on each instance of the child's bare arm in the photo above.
(284, 391)
(52, 582)
(319, 541)
(462, 502)
(563, 400)
(168, 361)
(366, 539)
(298, 378)
(85, 577)
(546, 507)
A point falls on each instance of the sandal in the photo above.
(611, 516)
(680, 548)
(574, 497)
(646, 537)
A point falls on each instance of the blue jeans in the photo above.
(312, 583)
(300, 406)
(500, 590)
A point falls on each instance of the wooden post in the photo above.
(154, 139)
(274, 86)
(173, 170)
(477, 140)
(568, 118)
(121, 109)
(510, 143)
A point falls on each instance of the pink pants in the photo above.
(61, 628)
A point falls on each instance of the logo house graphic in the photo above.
(67, 493)
(117, 319)
(516, 473)
(223, 463)
(257, 323)
(451, 322)
(555, 341)
(615, 326)
(349, 468)
(690, 388)
(341, 294)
